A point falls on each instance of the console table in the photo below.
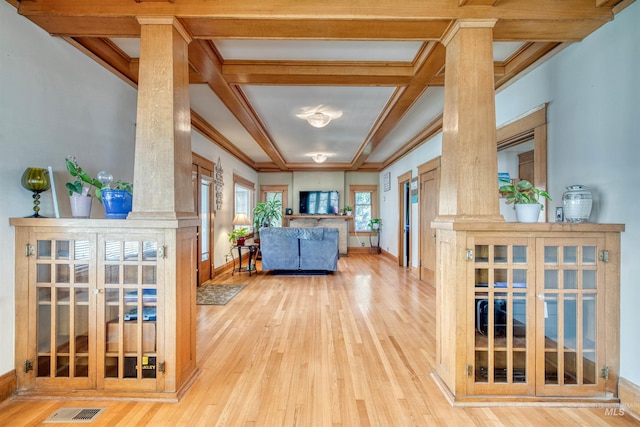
(341, 222)
(251, 266)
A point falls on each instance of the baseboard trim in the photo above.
(8, 384)
(629, 394)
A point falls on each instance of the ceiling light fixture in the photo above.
(319, 158)
(319, 116)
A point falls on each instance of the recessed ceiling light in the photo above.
(319, 158)
(319, 116)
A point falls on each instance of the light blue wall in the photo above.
(593, 91)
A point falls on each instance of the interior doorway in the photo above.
(202, 178)
(404, 225)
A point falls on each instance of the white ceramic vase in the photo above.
(528, 212)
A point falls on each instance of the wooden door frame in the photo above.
(198, 162)
(432, 165)
(403, 179)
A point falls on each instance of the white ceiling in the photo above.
(276, 106)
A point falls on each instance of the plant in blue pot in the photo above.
(118, 200)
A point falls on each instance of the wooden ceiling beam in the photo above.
(318, 73)
(204, 60)
(110, 56)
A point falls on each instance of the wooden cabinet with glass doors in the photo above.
(92, 304)
(540, 314)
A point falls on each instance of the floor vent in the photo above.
(74, 415)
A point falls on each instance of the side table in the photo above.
(251, 267)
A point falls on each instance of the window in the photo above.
(365, 206)
(243, 200)
(280, 192)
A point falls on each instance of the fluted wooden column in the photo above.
(162, 166)
(469, 174)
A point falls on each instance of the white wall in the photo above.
(54, 102)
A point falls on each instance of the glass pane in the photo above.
(82, 328)
(149, 251)
(589, 279)
(111, 274)
(589, 255)
(131, 251)
(205, 219)
(82, 366)
(62, 273)
(112, 251)
(81, 250)
(130, 370)
(519, 279)
(589, 320)
(551, 255)
(500, 367)
(519, 320)
(63, 295)
(62, 249)
(111, 367)
(501, 278)
(361, 217)
(551, 321)
(570, 255)
(500, 316)
(44, 328)
(482, 320)
(551, 279)
(482, 367)
(130, 274)
(148, 367)
(44, 366)
(482, 277)
(570, 279)
(43, 273)
(363, 198)
(62, 368)
(550, 367)
(149, 275)
(111, 295)
(520, 254)
(570, 321)
(500, 254)
(482, 253)
(570, 368)
(519, 367)
(81, 273)
(44, 295)
(43, 250)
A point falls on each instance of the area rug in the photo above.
(216, 294)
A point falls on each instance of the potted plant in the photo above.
(117, 201)
(374, 224)
(266, 212)
(238, 236)
(347, 210)
(525, 199)
(80, 193)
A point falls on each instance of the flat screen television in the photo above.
(319, 202)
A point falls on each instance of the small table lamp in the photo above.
(243, 220)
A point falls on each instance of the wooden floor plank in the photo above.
(355, 348)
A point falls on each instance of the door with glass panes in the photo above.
(537, 317)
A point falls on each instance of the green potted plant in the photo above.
(266, 212)
(525, 199)
(375, 224)
(238, 236)
(347, 210)
(80, 189)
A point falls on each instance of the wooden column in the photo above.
(468, 187)
(469, 184)
(162, 166)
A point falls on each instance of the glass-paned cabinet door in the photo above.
(569, 304)
(129, 270)
(63, 281)
(502, 339)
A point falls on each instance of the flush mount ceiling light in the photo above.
(319, 158)
(319, 116)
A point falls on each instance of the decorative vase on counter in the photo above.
(528, 212)
(80, 205)
(576, 203)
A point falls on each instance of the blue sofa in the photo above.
(299, 249)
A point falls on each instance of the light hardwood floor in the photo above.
(355, 348)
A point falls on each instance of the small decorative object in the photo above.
(577, 202)
(347, 210)
(219, 185)
(37, 181)
(80, 195)
(387, 181)
(522, 194)
(238, 236)
(375, 224)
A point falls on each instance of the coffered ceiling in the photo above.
(255, 67)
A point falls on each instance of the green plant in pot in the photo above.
(347, 210)
(525, 199)
(266, 212)
(80, 189)
(238, 236)
(118, 200)
(375, 224)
